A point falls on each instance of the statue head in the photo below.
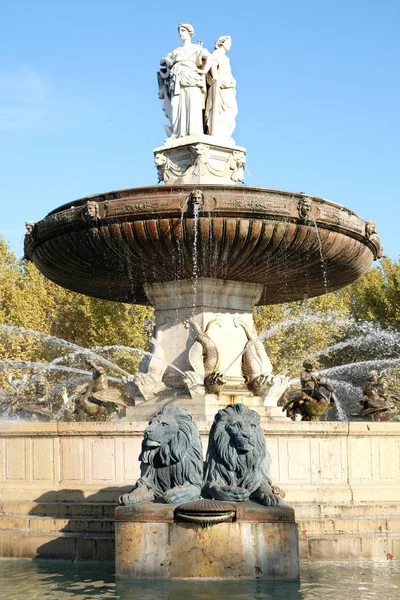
(29, 225)
(185, 30)
(224, 41)
(304, 207)
(310, 364)
(91, 208)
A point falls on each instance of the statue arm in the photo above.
(214, 69)
(167, 61)
(205, 60)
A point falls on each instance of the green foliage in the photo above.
(30, 301)
(307, 328)
(376, 295)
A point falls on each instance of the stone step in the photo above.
(360, 546)
(305, 511)
(58, 509)
(85, 531)
(65, 546)
(47, 524)
(203, 411)
(377, 524)
(334, 546)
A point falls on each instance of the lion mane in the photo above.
(176, 462)
(225, 465)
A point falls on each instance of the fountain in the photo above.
(204, 250)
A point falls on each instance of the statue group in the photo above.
(197, 88)
(236, 467)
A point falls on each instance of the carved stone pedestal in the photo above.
(200, 159)
(260, 543)
(202, 328)
(215, 305)
(204, 408)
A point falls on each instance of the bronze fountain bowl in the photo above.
(111, 245)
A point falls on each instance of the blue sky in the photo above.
(317, 85)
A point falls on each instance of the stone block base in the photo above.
(200, 159)
(261, 543)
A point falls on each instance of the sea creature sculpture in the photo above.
(213, 379)
(96, 399)
(238, 462)
(256, 365)
(171, 459)
(378, 404)
(148, 382)
(314, 398)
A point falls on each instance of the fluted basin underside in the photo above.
(111, 245)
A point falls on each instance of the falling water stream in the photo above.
(270, 331)
(323, 263)
(196, 209)
(81, 350)
(55, 365)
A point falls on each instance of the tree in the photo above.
(376, 295)
(30, 301)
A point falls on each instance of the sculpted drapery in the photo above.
(197, 88)
(221, 107)
(183, 85)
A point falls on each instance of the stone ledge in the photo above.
(135, 429)
(145, 512)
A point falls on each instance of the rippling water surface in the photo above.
(53, 580)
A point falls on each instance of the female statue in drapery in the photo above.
(182, 85)
(221, 107)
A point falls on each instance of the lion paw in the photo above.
(181, 494)
(129, 499)
(230, 493)
(269, 499)
(137, 495)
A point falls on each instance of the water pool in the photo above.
(53, 580)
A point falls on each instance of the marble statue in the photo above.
(221, 105)
(182, 85)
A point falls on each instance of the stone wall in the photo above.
(315, 463)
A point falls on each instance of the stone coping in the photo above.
(245, 511)
(126, 192)
(317, 428)
(127, 239)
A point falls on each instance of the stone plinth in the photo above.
(200, 159)
(215, 304)
(261, 543)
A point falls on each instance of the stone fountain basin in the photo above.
(111, 245)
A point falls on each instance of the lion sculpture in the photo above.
(237, 463)
(171, 460)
